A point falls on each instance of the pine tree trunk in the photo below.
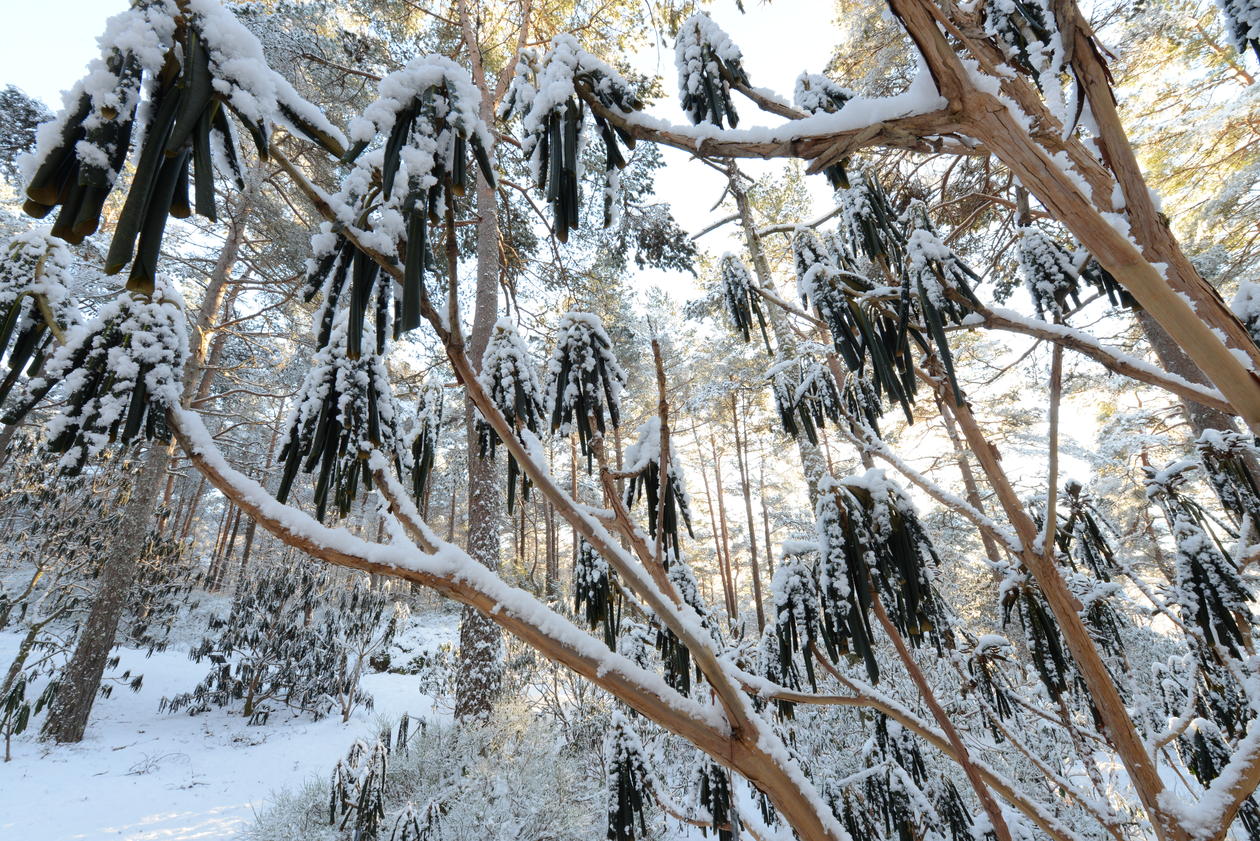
(252, 527)
(765, 519)
(741, 458)
(480, 640)
(193, 502)
(728, 565)
(708, 498)
(214, 575)
(553, 556)
(80, 680)
(1174, 360)
(970, 487)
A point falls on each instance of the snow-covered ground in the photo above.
(141, 775)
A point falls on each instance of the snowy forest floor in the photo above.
(143, 775)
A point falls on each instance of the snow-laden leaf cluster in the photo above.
(510, 377)
(584, 381)
(430, 114)
(643, 460)
(547, 95)
(120, 374)
(708, 64)
(172, 72)
(36, 284)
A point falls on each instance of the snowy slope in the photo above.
(143, 775)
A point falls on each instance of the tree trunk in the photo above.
(812, 462)
(553, 557)
(214, 576)
(741, 458)
(765, 520)
(728, 565)
(480, 640)
(1174, 360)
(708, 498)
(80, 680)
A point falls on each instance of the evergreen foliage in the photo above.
(584, 381)
(1243, 20)
(643, 461)
(708, 65)
(195, 65)
(544, 94)
(121, 373)
(509, 376)
(285, 641)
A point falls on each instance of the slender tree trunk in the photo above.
(728, 566)
(553, 558)
(229, 549)
(972, 490)
(252, 527)
(450, 520)
(741, 458)
(708, 498)
(214, 576)
(480, 640)
(812, 462)
(765, 520)
(193, 502)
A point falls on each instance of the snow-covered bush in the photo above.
(510, 779)
(295, 637)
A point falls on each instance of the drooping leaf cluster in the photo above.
(356, 800)
(1208, 588)
(425, 433)
(628, 781)
(805, 397)
(120, 372)
(742, 301)
(815, 93)
(584, 381)
(1021, 599)
(708, 65)
(345, 411)
(1052, 275)
(547, 95)
(715, 800)
(429, 113)
(870, 541)
(510, 378)
(175, 71)
(1242, 18)
(595, 596)
(1227, 458)
(1027, 32)
(878, 328)
(643, 460)
(35, 284)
